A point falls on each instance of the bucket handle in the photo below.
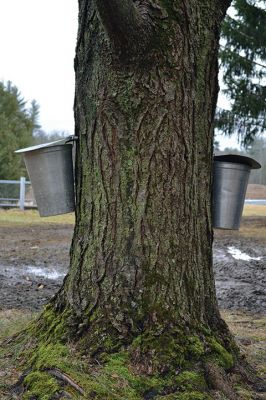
(71, 138)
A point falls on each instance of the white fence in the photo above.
(17, 194)
(20, 194)
(258, 202)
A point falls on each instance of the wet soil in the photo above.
(239, 259)
(35, 258)
(33, 262)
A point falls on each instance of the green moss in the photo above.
(193, 396)
(195, 347)
(115, 378)
(118, 366)
(100, 338)
(164, 350)
(51, 324)
(40, 385)
(58, 356)
(174, 350)
(190, 380)
(185, 396)
(49, 356)
(222, 356)
(109, 344)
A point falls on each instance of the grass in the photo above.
(256, 232)
(32, 217)
(250, 333)
(254, 222)
(251, 210)
(12, 321)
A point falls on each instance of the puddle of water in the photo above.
(21, 272)
(219, 255)
(45, 273)
(232, 284)
(239, 255)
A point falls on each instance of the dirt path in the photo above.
(34, 260)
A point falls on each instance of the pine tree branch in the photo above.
(243, 57)
(126, 24)
(237, 29)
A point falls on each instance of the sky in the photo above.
(37, 48)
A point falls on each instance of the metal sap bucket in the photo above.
(50, 168)
(230, 180)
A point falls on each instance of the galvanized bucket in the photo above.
(50, 168)
(230, 180)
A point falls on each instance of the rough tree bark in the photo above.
(141, 278)
(146, 89)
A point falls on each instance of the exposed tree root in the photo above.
(117, 376)
(66, 379)
(217, 380)
(219, 385)
(173, 365)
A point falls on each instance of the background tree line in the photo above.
(19, 128)
(17, 123)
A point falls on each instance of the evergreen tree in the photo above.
(17, 123)
(243, 57)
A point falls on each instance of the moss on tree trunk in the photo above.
(141, 255)
(139, 303)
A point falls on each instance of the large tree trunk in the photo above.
(145, 100)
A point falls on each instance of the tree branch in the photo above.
(65, 378)
(124, 22)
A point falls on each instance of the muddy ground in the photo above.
(240, 266)
(34, 260)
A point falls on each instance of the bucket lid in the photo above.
(60, 142)
(238, 159)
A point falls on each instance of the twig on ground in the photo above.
(65, 378)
